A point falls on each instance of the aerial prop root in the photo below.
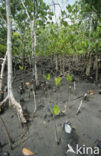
(16, 105)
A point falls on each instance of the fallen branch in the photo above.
(34, 101)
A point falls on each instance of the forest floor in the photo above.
(40, 134)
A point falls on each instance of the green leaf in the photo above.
(57, 81)
(46, 77)
(69, 78)
(56, 110)
(63, 13)
(69, 8)
(20, 67)
(50, 13)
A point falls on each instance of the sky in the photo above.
(63, 4)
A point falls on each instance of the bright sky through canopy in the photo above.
(62, 3)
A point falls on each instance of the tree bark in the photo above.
(56, 63)
(23, 60)
(34, 64)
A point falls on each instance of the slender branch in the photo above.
(1, 103)
(26, 10)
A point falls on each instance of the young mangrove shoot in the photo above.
(57, 81)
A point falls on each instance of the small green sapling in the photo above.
(56, 110)
(69, 78)
(57, 81)
(47, 78)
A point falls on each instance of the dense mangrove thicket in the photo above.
(76, 35)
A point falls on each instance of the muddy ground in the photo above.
(39, 135)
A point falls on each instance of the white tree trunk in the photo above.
(34, 62)
(10, 96)
(9, 47)
(33, 37)
(89, 65)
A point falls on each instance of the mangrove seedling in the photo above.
(57, 83)
(47, 78)
(69, 78)
(55, 110)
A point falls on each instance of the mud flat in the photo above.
(46, 136)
